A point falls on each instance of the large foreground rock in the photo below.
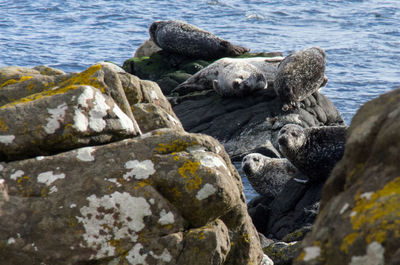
(359, 222)
(164, 197)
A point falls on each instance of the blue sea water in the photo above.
(361, 37)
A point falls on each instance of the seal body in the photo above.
(314, 151)
(233, 76)
(299, 75)
(268, 176)
(179, 37)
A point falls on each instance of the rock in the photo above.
(166, 197)
(60, 122)
(359, 221)
(244, 124)
(297, 235)
(146, 49)
(282, 253)
(267, 261)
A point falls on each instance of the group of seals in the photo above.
(299, 75)
(310, 155)
(233, 76)
(179, 37)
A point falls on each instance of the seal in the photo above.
(299, 75)
(179, 37)
(268, 176)
(233, 76)
(314, 151)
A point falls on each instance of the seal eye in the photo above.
(294, 134)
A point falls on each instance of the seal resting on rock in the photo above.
(179, 37)
(299, 75)
(233, 76)
(314, 151)
(268, 176)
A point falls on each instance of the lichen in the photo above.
(13, 81)
(189, 172)
(84, 78)
(375, 216)
(175, 146)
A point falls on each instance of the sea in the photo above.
(361, 37)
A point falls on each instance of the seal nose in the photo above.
(282, 140)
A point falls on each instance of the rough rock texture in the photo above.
(50, 124)
(164, 197)
(359, 222)
(282, 253)
(292, 209)
(146, 49)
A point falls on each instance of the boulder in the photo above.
(64, 121)
(88, 197)
(167, 197)
(359, 221)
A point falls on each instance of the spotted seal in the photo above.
(314, 151)
(268, 176)
(299, 75)
(179, 37)
(233, 76)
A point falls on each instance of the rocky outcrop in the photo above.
(359, 218)
(74, 196)
(244, 124)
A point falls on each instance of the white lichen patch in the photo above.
(7, 139)
(85, 154)
(154, 95)
(86, 95)
(17, 174)
(205, 192)
(165, 256)
(374, 256)
(39, 158)
(56, 117)
(98, 112)
(353, 213)
(81, 122)
(73, 205)
(166, 218)
(196, 148)
(140, 169)
(112, 217)
(125, 121)
(366, 195)
(212, 161)
(11, 241)
(53, 189)
(49, 177)
(113, 180)
(311, 253)
(344, 208)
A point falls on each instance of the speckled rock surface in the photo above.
(166, 197)
(359, 222)
(64, 121)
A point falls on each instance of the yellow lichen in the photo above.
(174, 146)
(13, 81)
(189, 171)
(376, 217)
(3, 126)
(83, 78)
(141, 184)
